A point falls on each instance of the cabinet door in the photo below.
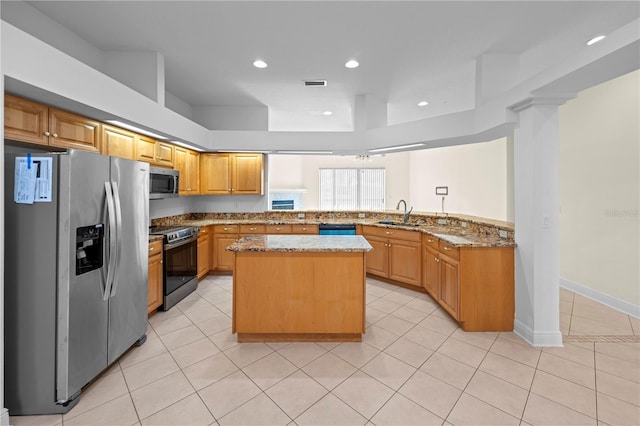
(431, 272)
(73, 131)
(246, 174)
(155, 282)
(193, 172)
(378, 258)
(203, 255)
(118, 142)
(223, 259)
(404, 261)
(164, 154)
(25, 121)
(450, 286)
(215, 174)
(146, 149)
(180, 164)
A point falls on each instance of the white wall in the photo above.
(599, 188)
(301, 172)
(476, 175)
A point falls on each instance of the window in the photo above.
(352, 189)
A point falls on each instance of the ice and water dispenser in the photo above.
(89, 248)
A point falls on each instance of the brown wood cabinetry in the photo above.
(396, 254)
(223, 237)
(187, 162)
(154, 152)
(475, 285)
(118, 142)
(155, 276)
(31, 122)
(203, 252)
(231, 174)
(304, 229)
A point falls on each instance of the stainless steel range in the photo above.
(180, 260)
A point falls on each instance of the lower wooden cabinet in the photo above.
(155, 276)
(203, 252)
(475, 285)
(396, 254)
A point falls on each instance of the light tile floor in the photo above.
(414, 367)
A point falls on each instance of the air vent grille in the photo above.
(319, 83)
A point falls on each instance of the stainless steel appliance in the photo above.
(180, 261)
(163, 183)
(337, 229)
(76, 272)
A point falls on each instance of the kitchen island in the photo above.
(299, 288)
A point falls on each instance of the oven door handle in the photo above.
(180, 243)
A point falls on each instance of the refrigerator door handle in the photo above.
(116, 199)
(112, 241)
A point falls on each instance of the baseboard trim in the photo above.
(537, 338)
(612, 302)
(4, 417)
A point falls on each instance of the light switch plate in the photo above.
(442, 221)
(300, 215)
(502, 233)
(463, 224)
(361, 216)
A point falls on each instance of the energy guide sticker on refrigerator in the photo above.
(32, 180)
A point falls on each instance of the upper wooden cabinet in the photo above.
(187, 162)
(231, 174)
(118, 142)
(28, 121)
(155, 152)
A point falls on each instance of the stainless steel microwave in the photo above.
(163, 183)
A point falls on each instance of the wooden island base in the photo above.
(285, 296)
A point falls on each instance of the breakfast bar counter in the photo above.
(299, 288)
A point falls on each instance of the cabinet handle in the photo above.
(447, 248)
(429, 241)
(47, 134)
(304, 229)
(150, 248)
(278, 229)
(388, 232)
(252, 229)
(55, 135)
(161, 262)
(225, 229)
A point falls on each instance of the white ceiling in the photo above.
(408, 51)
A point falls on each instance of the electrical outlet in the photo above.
(463, 224)
(502, 233)
(442, 221)
(300, 215)
(361, 215)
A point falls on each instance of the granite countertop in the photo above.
(301, 243)
(455, 236)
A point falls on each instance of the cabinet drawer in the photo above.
(278, 229)
(431, 241)
(449, 250)
(155, 247)
(204, 230)
(304, 229)
(225, 229)
(252, 229)
(398, 234)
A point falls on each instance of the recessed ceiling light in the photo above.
(423, 103)
(352, 63)
(259, 63)
(327, 113)
(595, 40)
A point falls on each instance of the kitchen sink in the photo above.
(394, 223)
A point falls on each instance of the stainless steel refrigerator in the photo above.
(75, 276)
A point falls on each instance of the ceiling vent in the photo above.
(320, 83)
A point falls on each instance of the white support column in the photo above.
(4, 413)
(535, 157)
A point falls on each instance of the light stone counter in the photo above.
(301, 243)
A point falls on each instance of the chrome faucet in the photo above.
(406, 213)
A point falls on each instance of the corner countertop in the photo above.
(301, 243)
